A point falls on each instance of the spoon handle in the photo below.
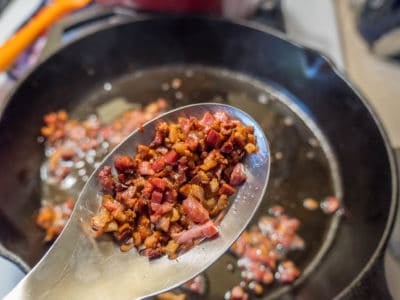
(49, 278)
(79, 267)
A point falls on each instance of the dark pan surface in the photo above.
(295, 143)
(78, 72)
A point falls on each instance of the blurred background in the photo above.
(360, 37)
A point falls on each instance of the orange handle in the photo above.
(47, 16)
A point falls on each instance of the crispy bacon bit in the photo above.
(124, 164)
(237, 293)
(197, 232)
(73, 147)
(193, 209)
(262, 250)
(158, 165)
(159, 183)
(70, 140)
(287, 272)
(238, 176)
(310, 204)
(111, 205)
(227, 147)
(171, 157)
(226, 189)
(106, 179)
(53, 218)
(207, 120)
(192, 141)
(171, 196)
(158, 139)
(256, 288)
(161, 200)
(145, 168)
(221, 117)
(197, 285)
(213, 138)
(276, 210)
(330, 205)
(156, 197)
(153, 253)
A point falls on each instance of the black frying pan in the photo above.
(248, 66)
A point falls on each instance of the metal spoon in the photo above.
(80, 267)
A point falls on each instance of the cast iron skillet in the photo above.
(249, 66)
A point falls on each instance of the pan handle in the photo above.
(82, 23)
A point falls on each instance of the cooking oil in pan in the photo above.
(303, 165)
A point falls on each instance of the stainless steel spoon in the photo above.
(80, 267)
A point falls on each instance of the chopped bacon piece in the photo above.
(193, 209)
(127, 194)
(227, 147)
(261, 254)
(124, 163)
(171, 157)
(207, 120)
(238, 293)
(177, 183)
(153, 253)
(226, 189)
(156, 197)
(221, 116)
(111, 205)
(50, 119)
(145, 168)
(330, 205)
(147, 190)
(197, 285)
(106, 179)
(206, 230)
(192, 142)
(164, 223)
(158, 139)
(159, 183)
(171, 195)
(287, 272)
(85, 143)
(52, 218)
(238, 175)
(160, 210)
(158, 165)
(262, 250)
(185, 125)
(213, 138)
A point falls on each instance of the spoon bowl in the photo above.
(77, 266)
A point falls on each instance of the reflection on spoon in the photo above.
(79, 267)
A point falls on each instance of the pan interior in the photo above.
(303, 164)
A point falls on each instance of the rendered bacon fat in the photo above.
(163, 200)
